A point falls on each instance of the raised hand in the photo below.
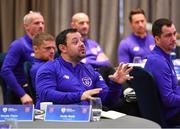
(122, 74)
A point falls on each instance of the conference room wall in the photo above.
(104, 15)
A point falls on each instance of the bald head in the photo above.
(80, 21)
(78, 16)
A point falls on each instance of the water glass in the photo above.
(96, 109)
(43, 105)
(137, 59)
(11, 123)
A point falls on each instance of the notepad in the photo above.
(111, 114)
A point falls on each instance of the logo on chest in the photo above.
(87, 81)
(66, 76)
(151, 47)
(136, 48)
(32, 54)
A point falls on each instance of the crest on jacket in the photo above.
(87, 81)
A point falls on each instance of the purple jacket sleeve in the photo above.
(162, 74)
(11, 61)
(93, 50)
(97, 64)
(110, 94)
(123, 54)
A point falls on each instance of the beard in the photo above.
(79, 57)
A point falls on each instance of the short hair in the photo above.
(28, 17)
(61, 38)
(40, 37)
(158, 24)
(134, 12)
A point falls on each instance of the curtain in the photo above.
(104, 18)
(57, 13)
(154, 9)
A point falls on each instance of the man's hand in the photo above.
(87, 95)
(121, 74)
(26, 99)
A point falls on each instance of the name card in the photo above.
(68, 113)
(16, 112)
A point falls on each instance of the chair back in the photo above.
(27, 67)
(147, 95)
(2, 82)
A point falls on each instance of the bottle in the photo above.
(173, 57)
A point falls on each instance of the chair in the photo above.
(2, 83)
(27, 67)
(147, 96)
(105, 71)
(177, 50)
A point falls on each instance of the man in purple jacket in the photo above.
(66, 80)
(139, 43)
(159, 64)
(94, 54)
(44, 50)
(20, 51)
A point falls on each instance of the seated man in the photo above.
(44, 49)
(139, 43)
(159, 64)
(94, 54)
(20, 51)
(68, 81)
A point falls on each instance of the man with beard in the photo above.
(66, 80)
(139, 43)
(94, 53)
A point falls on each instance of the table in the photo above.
(122, 122)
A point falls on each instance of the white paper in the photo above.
(112, 114)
